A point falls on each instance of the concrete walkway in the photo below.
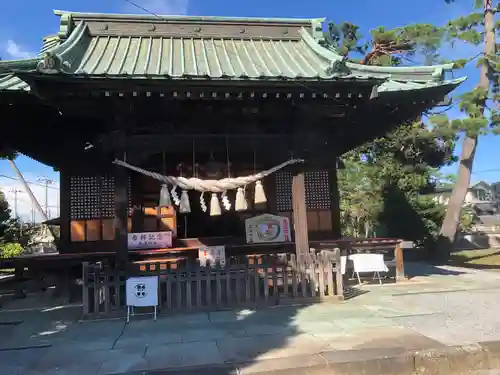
(445, 306)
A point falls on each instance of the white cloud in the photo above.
(24, 205)
(160, 7)
(16, 51)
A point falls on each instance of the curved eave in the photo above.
(416, 74)
(10, 82)
(49, 44)
(218, 80)
(7, 66)
(395, 86)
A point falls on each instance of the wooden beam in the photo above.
(335, 203)
(121, 216)
(300, 211)
(58, 84)
(65, 216)
(180, 143)
(122, 117)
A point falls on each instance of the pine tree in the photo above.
(381, 181)
(480, 105)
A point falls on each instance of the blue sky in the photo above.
(23, 25)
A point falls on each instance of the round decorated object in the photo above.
(268, 229)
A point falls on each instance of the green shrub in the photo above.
(10, 250)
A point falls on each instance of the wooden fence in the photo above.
(272, 280)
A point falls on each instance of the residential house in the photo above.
(480, 196)
(496, 190)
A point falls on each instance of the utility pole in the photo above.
(45, 181)
(15, 192)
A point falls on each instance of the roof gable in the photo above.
(481, 184)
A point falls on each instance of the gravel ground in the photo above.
(456, 318)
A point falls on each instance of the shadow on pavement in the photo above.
(52, 339)
(417, 269)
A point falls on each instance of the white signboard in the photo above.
(212, 254)
(267, 228)
(368, 263)
(149, 240)
(142, 291)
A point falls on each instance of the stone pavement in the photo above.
(442, 306)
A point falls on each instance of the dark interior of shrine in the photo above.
(81, 128)
(145, 192)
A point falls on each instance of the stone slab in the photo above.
(188, 318)
(280, 364)
(384, 338)
(85, 345)
(451, 360)
(269, 329)
(373, 361)
(249, 349)
(88, 364)
(120, 362)
(211, 333)
(19, 361)
(182, 355)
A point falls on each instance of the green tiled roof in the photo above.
(125, 46)
(214, 58)
(9, 81)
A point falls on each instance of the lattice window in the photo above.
(317, 190)
(283, 191)
(85, 197)
(317, 186)
(93, 197)
(108, 197)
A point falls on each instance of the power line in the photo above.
(487, 171)
(28, 182)
(16, 192)
(300, 84)
(46, 182)
(142, 8)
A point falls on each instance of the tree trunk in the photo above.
(452, 218)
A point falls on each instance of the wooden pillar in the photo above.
(123, 121)
(335, 203)
(400, 265)
(121, 215)
(64, 211)
(300, 211)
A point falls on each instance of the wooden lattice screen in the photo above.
(283, 191)
(92, 207)
(318, 198)
(317, 191)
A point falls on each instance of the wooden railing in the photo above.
(273, 280)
